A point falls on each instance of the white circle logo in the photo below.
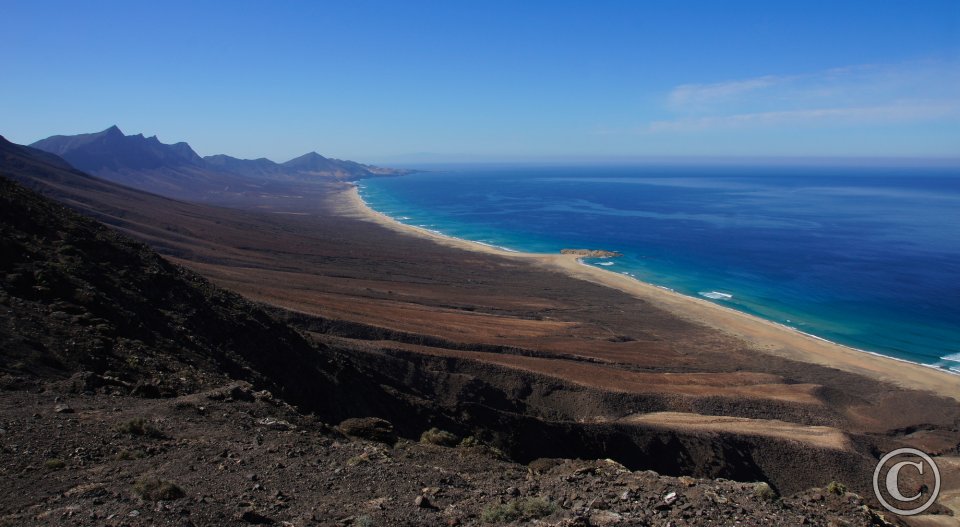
(899, 464)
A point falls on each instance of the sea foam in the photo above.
(715, 295)
(953, 357)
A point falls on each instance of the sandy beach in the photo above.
(762, 335)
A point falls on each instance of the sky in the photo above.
(457, 80)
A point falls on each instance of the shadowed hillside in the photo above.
(79, 297)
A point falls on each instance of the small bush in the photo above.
(837, 488)
(362, 459)
(153, 489)
(369, 428)
(54, 464)
(764, 491)
(370, 456)
(469, 441)
(139, 427)
(129, 455)
(542, 465)
(496, 453)
(522, 509)
(435, 436)
(473, 444)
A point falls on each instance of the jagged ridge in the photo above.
(176, 170)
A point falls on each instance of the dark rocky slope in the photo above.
(78, 296)
(84, 304)
(233, 456)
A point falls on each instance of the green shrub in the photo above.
(369, 428)
(362, 459)
(522, 509)
(837, 488)
(139, 427)
(54, 464)
(153, 489)
(469, 441)
(543, 465)
(435, 436)
(129, 455)
(475, 445)
(764, 491)
(496, 453)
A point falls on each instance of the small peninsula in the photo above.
(591, 253)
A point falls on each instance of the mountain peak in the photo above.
(142, 162)
(111, 150)
(305, 159)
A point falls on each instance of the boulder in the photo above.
(370, 428)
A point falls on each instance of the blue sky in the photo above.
(489, 80)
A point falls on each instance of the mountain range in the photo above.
(176, 170)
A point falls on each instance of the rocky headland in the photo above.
(591, 253)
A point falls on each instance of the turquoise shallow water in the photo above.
(865, 257)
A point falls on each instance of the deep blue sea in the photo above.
(866, 257)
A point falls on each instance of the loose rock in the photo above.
(254, 517)
(371, 428)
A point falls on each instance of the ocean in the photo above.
(865, 257)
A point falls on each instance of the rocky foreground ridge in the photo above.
(236, 456)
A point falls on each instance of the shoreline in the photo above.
(762, 335)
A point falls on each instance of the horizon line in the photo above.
(436, 158)
(729, 160)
